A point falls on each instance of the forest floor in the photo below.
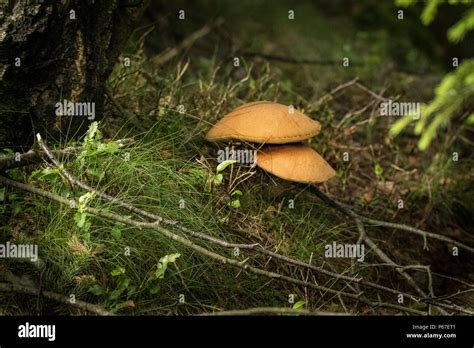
(168, 169)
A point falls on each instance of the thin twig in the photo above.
(291, 60)
(345, 209)
(382, 256)
(272, 311)
(9, 287)
(169, 54)
(330, 95)
(34, 156)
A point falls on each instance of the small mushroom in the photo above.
(295, 162)
(266, 123)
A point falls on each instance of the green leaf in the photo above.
(118, 271)
(470, 120)
(162, 265)
(156, 289)
(97, 290)
(116, 232)
(123, 283)
(109, 148)
(236, 192)
(430, 10)
(84, 200)
(95, 173)
(217, 179)
(80, 219)
(458, 31)
(299, 304)
(92, 131)
(48, 173)
(86, 237)
(115, 294)
(378, 170)
(224, 165)
(8, 152)
(235, 203)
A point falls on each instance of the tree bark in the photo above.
(53, 51)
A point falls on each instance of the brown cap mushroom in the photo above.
(264, 122)
(295, 162)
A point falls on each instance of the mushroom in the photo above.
(295, 162)
(266, 123)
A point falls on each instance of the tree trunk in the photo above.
(53, 51)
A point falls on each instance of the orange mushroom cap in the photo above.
(295, 162)
(264, 122)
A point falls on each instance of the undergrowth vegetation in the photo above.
(167, 168)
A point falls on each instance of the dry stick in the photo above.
(334, 91)
(8, 287)
(273, 311)
(201, 250)
(35, 156)
(416, 231)
(373, 94)
(290, 60)
(384, 257)
(363, 236)
(166, 56)
(32, 157)
(343, 208)
(73, 181)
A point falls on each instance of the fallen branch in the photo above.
(9, 287)
(34, 156)
(381, 255)
(272, 311)
(291, 60)
(346, 210)
(169, 54)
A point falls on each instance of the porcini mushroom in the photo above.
(295, 162)
(266, 123)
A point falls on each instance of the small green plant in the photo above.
(378, 170)
(235, 202)
(80, 217)
(92, 148)
(299, 305)
(121, 295)
(116, 231)
(218, 177)
(161, 267)
(122, 287)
